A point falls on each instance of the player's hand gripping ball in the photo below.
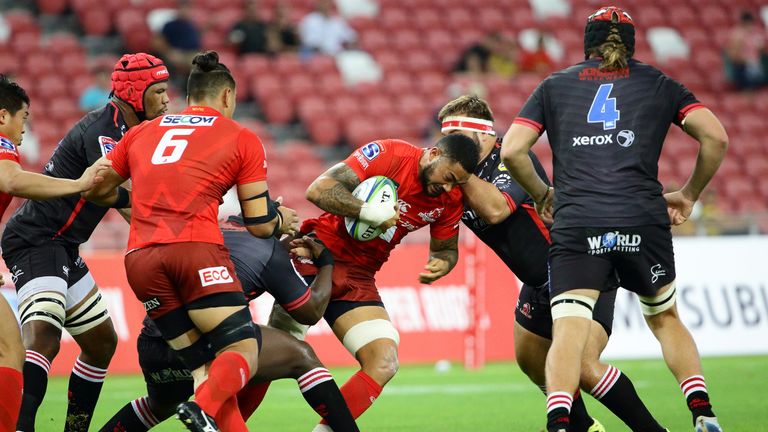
(379, 195)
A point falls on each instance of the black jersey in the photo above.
(261, 265)
(606, 130)
(71, 219)
(521, 240)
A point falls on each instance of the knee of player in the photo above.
(590, 373)
(305, 359)
(42, 340)
(383, 365)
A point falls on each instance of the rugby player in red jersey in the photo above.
(428, 194)
(181, 166)
(41, 243)
(14, 181)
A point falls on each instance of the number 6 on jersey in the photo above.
(603, 109)
(162, 155)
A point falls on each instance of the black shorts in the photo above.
(641, 257)
(533, 313)
(169, 382)
(32, 267)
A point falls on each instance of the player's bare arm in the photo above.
(332, 191)
(106, 193)
(310, 312)
(709, 132)
(514, 152)
(264, 217)
(443, 256)
(17, 182)
(486, 200)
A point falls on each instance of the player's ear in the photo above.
(434, 153)
(4, 116)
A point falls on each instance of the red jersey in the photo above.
(181, 166)
(8, 151)
(399, 161)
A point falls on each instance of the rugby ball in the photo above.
(378, 189)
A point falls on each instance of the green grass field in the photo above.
(497, 398)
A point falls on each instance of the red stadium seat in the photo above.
(278, 110)
(96, 22)
(324, 131)
(398, 83)
(254, 64)
(331, 85)
(361, 130)
(406, 40)
(52, 7)
(345, 106)
(427, 18)
(21, 21)
(320, 65)
(38, 64)
(394, 18)
(757, 167)
(64, 43)
(299, 86)
(373, 40)
(288, 64)
(26, 43)
(266, 86)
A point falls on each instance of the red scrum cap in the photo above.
(133, 74)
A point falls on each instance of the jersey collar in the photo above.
(201, 110)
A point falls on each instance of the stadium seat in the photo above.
(330, 85)
(324, 131)
(95, 22)
(278, 110)
(361, 130)
(52, 7)
(667, 43)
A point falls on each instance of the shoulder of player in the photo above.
(398, 147)
(95, 124)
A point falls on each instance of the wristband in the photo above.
(123, 198)
(325, 258)
(544, 198)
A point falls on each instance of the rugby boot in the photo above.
(194, 418)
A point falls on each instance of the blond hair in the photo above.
(613, 52)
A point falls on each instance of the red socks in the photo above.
(360, 391)
(11, 383)
(250, 397)
(228, 374)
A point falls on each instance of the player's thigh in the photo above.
(368, 334)
(87, 317)
(11, 348)
(283, 356)
(531, 352)
(168, 380)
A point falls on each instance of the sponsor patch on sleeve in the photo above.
(371, 150)
(7, 144)
(107, 144)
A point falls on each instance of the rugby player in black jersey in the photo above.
(502, 215)
(40, 246)
(262, 265)
(606, 119)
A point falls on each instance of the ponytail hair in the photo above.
(208, 76)
(614, 53)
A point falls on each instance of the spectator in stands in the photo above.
(504, 61)
(97, 94)
(537, 61)
(325, 31)
(282, 35)
(249, 35)
(745, 55)
(497, 55)
(179, 41)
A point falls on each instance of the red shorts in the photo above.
(351, 283)
(166, 277)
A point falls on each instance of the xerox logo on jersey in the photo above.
(187, 120)
(7, 144)
(214, 276)
(614, 241)
(371, 150)
(593, 140)
(107, 144)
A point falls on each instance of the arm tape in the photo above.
(123, 198)
(271, 211)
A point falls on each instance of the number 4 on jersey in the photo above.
(603, 109)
